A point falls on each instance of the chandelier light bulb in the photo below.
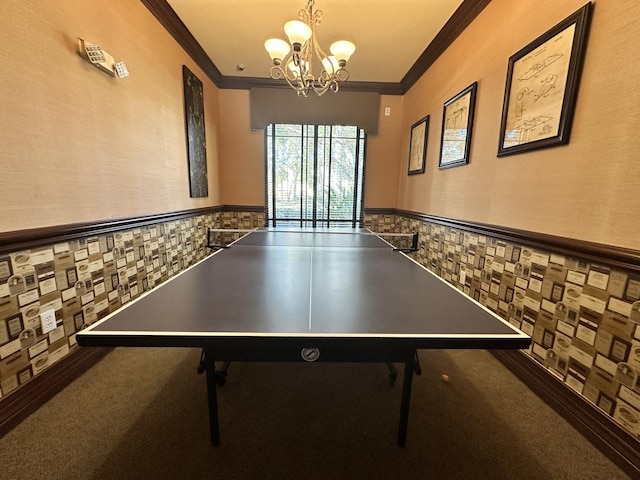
(298, 33)
(277, 49)
(342, 50)
(330, 64)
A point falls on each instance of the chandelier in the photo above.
(297, 67)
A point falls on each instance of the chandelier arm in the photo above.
(295, 58)
(306, 60)
(322, 88)
(277, 73)
(342, 75)
(297, 83)
(322, 55)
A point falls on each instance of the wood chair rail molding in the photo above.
(35, 237)
(614, 256)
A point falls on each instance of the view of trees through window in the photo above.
(314, 175)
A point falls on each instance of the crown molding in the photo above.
(178, 30)
(462, 17)
(459, 21)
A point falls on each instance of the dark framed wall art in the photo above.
(418, 146)
(457, 124)
(542, 85)
(196, 140)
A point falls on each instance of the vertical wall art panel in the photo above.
(196, 144)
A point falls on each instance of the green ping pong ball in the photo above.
(445, 378)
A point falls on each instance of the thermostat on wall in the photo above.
(97, 57)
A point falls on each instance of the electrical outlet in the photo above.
(48, 321)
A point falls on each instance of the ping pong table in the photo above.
(326, 295)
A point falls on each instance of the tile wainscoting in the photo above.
(83, 273)
(579, 302)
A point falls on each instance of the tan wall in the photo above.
(79, 145)
(381, 180)
(585, 190)
(242, 172)
(242, 151)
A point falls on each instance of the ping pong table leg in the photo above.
(212, 396)
(409, 368)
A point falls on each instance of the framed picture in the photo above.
(196, 140)
(541, 88)
(5, 269)
(418, 146)
(457, 123)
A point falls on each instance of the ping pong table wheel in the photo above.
(416, 366)
(221, 378)
(201, 367)
(393, 373)
(221, 375)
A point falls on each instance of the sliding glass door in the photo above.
(314, 175)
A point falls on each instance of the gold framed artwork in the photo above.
(542, 85)
(418, 146)
(457, 124)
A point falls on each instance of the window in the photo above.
(314, 175)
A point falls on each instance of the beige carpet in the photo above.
(142, 414)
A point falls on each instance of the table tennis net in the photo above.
(317, 238)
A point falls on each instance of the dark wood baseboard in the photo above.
(619, 446)
(606, 435)
(600, 429)
(17, 406)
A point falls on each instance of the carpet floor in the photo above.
(141, 413)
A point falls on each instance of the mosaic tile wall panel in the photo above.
(86, 279)
(584, 318)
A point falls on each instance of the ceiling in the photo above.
(396, 40)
